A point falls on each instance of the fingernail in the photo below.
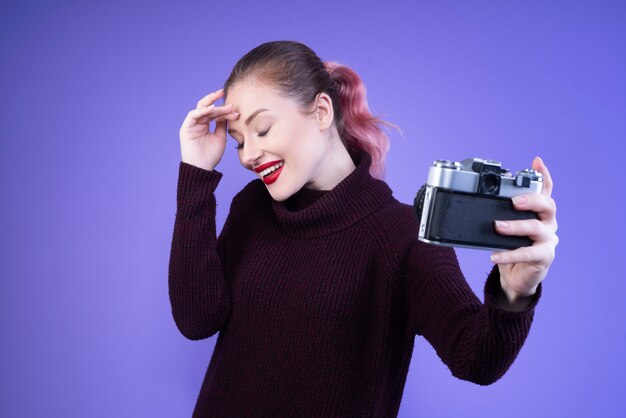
(220, 90)
(502, 224)
(495, 257)
(519, 199)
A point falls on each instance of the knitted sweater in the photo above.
(318, 299)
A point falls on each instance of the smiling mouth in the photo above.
(270, 170)
(270, 174)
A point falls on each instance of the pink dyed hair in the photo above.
(358, 127)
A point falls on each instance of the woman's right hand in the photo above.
(198, 146)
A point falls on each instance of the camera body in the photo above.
(460, 201)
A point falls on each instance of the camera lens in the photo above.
(489, 183)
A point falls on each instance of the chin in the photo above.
(279, 195)
(282, 191)
(284, 187)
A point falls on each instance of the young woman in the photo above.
(317, 283)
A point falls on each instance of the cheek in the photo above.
(302, 148)
(310, 144)
(303, 155)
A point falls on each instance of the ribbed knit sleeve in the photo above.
(477, 341)
(198, 294)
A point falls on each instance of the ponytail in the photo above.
(357, 126)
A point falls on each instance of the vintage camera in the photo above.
(459, 203)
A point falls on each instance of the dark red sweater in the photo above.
(317, 300)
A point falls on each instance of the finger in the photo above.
(541, 254)
(203, 115)
(194, 115)
(211, 111)
(533, 228)
(210, 98)
(540, 166)
(544, 205)
(220, 128)
(228, 116)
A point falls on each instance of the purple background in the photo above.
(93, 96)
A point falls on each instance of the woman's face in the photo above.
(291, 150)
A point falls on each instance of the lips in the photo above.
(266, 165)
(272, 177)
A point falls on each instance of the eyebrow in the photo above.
(247, 121)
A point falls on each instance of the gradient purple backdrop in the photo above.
(93, 96)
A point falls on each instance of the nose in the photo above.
(250, 154)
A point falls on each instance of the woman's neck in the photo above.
(336, 166)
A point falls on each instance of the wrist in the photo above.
(515, 301)
(513, 296)
(205, 167)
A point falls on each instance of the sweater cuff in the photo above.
(195, 184)
(493, 288)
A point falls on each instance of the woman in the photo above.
(317, 283)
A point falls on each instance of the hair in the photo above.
(298, 73)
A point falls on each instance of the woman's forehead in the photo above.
(247, 98)
(249, 88)
(242, 95)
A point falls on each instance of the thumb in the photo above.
(539, 166)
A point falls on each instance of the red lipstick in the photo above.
(271, 178)
(264, 166)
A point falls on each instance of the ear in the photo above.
(324, 111)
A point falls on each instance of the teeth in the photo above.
(271, 169)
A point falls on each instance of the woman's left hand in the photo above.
(522, 269)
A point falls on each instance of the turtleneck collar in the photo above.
(311, 213)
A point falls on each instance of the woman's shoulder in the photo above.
(398, 218)
(399, 226)
(396, 225)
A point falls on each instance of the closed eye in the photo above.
(240, 146)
